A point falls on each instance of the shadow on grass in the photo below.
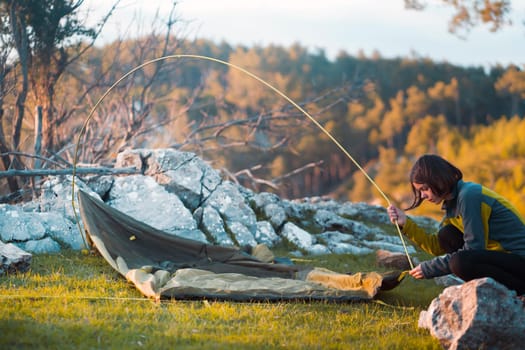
(30, 334)
(411, 293)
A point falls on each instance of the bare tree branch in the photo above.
(83, 171)
(273, 183)
(254, 179)
(31, 156)
(297, 171)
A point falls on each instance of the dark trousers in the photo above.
(506, 268)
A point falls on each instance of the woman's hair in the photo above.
(434, 171)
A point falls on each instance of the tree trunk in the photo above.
(38, 137)
(6, 160)
(18, 28)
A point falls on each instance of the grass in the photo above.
(75, 301)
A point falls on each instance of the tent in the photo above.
(163, 265)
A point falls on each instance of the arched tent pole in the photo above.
(231, 65)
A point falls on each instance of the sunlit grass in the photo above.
(73, 301)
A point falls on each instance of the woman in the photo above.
(481, 235)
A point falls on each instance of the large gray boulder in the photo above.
(182, 173)
(480, 314)
(145, 200)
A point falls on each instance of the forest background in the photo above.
(385, 112)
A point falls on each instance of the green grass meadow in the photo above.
(76, 301)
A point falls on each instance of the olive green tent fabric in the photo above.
(162, 265)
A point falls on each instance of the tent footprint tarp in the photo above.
(162, 265)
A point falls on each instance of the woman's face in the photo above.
(426, 193)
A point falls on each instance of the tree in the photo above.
(361, 190)
(425, 135)
(6, 83)
(512, 83)
(17, 31)
(245, 92)
(416, 104)
(394, 120)
(392, 174)
(470, 13)
(443, 94)
(48, 36)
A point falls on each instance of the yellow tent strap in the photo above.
(332, 138)
(402, 275)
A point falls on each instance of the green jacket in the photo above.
(487, 220)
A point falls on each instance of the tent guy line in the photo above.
(231, 65)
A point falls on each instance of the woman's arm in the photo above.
(428, 242)
(396, 215)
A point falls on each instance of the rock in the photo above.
(391, 243)
(13, 259)
(448, 280)
(17, 225)
(479, 314)
(230, 204)
(343, 243)
(303, 240)
(101, 185)
(270, 207)
(192, 181)
(41, 246)
(389, 259)
(359, 211)
(212, 224)
(266, 234)
(330, 221)
(242, 234)
(133, 158)
(318, 249)
(142, 198)
(62, 230)
(297, 236)
(260, 200)
(180, 194)
(56, 196)
(181, 173)
(263, 253)
(276, 215)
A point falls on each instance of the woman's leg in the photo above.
(450, 238)
(508, 269)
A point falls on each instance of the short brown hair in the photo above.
(439, 174)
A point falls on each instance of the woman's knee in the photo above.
(450, 238)
(461, 265)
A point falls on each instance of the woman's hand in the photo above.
(416, 272)
(396, 215)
